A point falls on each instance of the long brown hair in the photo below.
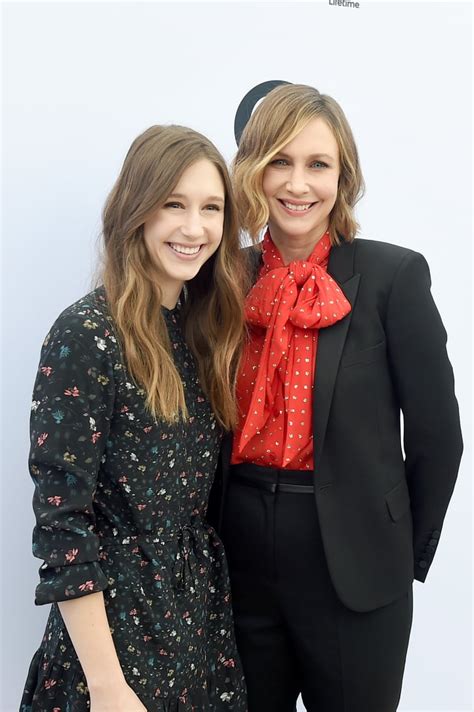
(213, 311)
(282, 114)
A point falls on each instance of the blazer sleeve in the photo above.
(424, 381)
(71, 411)
(217, 496)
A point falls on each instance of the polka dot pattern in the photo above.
(284, 310)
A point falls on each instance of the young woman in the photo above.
(133, 392)
(324, 520)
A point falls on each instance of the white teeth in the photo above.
(185, 250)
(298, 208)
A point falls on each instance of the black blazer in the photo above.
(381, 510)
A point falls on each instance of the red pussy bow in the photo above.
(286, 298)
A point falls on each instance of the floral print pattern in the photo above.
(120, 503)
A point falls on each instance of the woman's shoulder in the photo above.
(378, 249)
(384, 258)
(88, 320)
(93, 303)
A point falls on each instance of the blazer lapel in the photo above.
(330, 346)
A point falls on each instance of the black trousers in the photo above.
(293, 634)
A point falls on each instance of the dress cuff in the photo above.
(61, 583)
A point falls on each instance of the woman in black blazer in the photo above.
(325, 518)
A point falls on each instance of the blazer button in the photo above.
(430, 549)
(436, 534)
(422, 564)
(433, 542)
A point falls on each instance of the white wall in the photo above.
(81, 80)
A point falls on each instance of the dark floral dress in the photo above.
(120, 504)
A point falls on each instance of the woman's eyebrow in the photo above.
(215, 198)
(282, 154)
(323, 155)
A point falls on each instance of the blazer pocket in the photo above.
(398, 500)
(373, 353)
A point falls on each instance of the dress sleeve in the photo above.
(72, 407)
(425, 384)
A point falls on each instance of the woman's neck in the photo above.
(294, 248)
(170, 294)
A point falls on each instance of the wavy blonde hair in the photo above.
(213, 310)
(282, 114)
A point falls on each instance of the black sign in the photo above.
(246, 106)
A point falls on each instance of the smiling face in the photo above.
(187, 229)
(300, 184)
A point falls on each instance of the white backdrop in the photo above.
(81, 80)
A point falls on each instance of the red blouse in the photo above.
(284, 310)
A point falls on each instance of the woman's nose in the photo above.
(297, 184)
(192, 226)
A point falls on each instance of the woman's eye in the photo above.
(173, 205)
(278, 162)
(216, 208)
(319, 164)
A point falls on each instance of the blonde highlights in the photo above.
(213, 319)
(282, 114)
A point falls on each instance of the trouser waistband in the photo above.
(272, 479)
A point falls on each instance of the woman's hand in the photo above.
(115, 698)
(88, 626)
